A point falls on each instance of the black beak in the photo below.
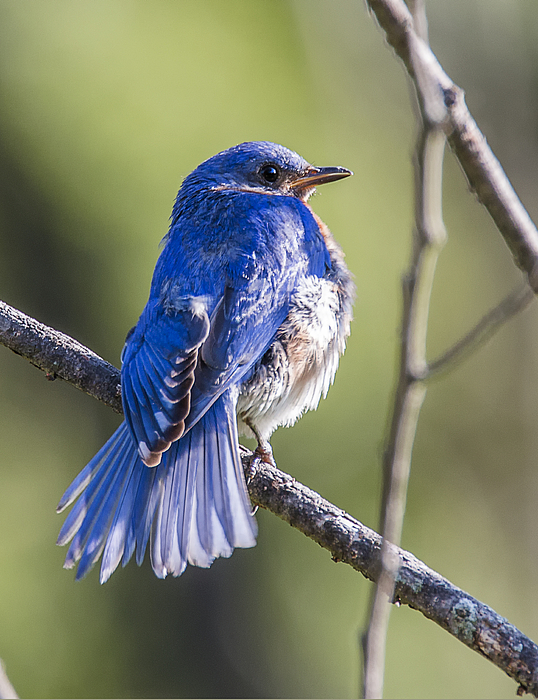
(319, 176)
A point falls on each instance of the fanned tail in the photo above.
(194, 506)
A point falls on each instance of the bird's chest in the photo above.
(300, 364)
(311, 325)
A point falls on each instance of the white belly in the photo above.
(300, 365)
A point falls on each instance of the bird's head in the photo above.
(264, 167)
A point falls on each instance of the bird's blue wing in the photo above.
(159, 359)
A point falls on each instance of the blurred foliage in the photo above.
(104, 107)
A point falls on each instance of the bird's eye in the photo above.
(270, 173)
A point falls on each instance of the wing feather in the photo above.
(158, 374)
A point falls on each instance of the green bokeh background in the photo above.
(104, 107)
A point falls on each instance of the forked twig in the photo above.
(428, 240)
(442, 111)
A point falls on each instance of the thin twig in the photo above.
(429, 238)
(489, 324)
(482, 169)
(347, 540)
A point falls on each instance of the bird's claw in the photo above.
(264, 453)
(250, 471)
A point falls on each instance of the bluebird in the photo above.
(248, 313)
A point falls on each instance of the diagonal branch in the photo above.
(484, 173)
(349, 541)
(58, 355)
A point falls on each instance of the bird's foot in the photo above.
(264, 453)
